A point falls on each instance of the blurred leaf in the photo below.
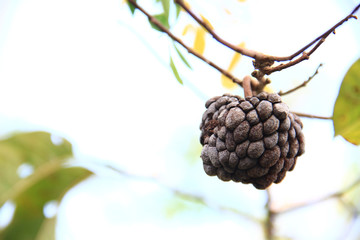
(132, 8)
(166, 7)
(48, 181)
(194, 150)
(188, 28)
(181, 203)
(186, 4)
(225, 81)
(200, 33)
(268, 89)
(282, 238)
(174, 70)
(227, 11)
(29, 216)
(207, 22)
(241, 0)
(163, 19)
(178, 10)
(182, 57)
(174, 207)
(35, 149)
(199, 43)
(346, 115)
(47, 230)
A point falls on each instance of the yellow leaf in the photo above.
(199, 43)
(188, 28)
(187, 5)
(200, 33)
(225, 81)
(241, 0)
(236, 58)
(227, 11)
(205, 20)
(268, 89)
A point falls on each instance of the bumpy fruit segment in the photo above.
(254, 140)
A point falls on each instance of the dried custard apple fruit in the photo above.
(254, 140)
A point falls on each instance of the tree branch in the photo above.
(264, 62)
(178, 40)
(281, 93)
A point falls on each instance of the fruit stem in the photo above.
(247, 86)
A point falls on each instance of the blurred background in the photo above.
(94, 74)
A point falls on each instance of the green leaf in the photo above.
(47, 230)
(175, 207)
(34, 149)
(178, 10)
(29, 218)
(132, 8)
(166, 7)
(194, 150)
(163, 19)
(182, 57)
(48, 181)
(346, 115)
(173, 68)
(182, 203)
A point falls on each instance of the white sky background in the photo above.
(94, 74)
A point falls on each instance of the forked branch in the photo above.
(263, 62)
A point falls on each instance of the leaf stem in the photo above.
(247, 86)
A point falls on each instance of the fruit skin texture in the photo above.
(254, 140)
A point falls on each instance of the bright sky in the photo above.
(94, 74)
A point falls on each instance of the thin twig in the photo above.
(264, 62)
(178, 40)
(322, 36)
(312, 116)
(338, 194)
(281, 93)
(306, 55)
